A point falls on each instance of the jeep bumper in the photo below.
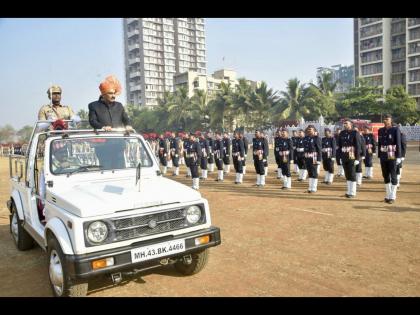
(80, 266)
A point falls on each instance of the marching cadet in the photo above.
(259, 157)
(389, 145)
(348, 143)
(318, 166)
(359, 171)
(194, 156)
(163, 153)
(328, 156)
(294, 141)
(266, 152)
(218, 156)
(186, 146)
(226, 152)
(238, 153)
(403, 150)
(174, 153)
(312, 146)
(300, 156)
(285, 152)
(211, 153)
(55, 110)
(204, 144)
(245, 140)
(340, 172)
(370, 151)
(277, 140)
(181, 138)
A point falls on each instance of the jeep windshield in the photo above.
(75, 155)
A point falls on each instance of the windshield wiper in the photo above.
(85, 168)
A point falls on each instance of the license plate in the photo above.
(157, 250)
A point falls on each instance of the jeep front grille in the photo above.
(134, 227)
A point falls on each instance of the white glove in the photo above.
(398, 161)
(318, 163)
(403, 158)
(363, 157)
(373, 154)
(75, 118)
(356, 162)
(333, 159)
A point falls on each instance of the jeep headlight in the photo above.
(193, 214)
(97, 232)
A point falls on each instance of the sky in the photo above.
(78, 54)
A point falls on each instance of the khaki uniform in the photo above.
(52, 112)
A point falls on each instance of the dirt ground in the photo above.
(274, 243)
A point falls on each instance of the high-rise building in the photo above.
(158, 48)
(387, 52)
(343, 75)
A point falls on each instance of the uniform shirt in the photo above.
(282, 145)
(187, 144)
(294, 141)
(370, 143)
(218, 149)
(162, 146)
(389, 143)
(312, 147)
(204, 144)
(52, 112)
(238, 147)
(194, 149)
(173, 146)
(257, 145)
(211, 144)
(226, 146)
(348, 142)
(362, 145)
(102, 114)
(328, 148)
(300, 146)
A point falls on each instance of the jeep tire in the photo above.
(199, 261)
(60, 282)
(23, 240)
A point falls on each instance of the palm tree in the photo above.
(179, 108)
(293, 102)
(220, 107)
(264, 100)
(242, 103)
(325, 84)
(199, 107)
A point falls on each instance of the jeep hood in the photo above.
(106, 197)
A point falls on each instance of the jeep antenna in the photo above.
(138, 175)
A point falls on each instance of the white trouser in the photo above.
(189, 171)
(258, 179)
(304, 174)
(164, 170)
(196, 183)
(265, 170)
(327, 177)
(313, 184)
(220, 175)
(262, 180)
(211, 167)
(393, 192)
(351, 188)
(170, 163)
(204, 173)
(388, 191)
(176, 171)
(359, 177)
(331, 178)
(296, 168)
(244, 170)
(279, 173)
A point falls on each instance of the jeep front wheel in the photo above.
(61, 284)
(23, 240)
(198, 262)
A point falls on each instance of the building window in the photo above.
(372, 69)
(374, 81)
(371, 56)
(414, 33)
(414, 62)
(398, 40)
(413, 21)
(398, 67)
(365, 21)
(398, 53)
(398, 79)
(414, 48)
(371, 30)
(398, 27)
(414, 76)
(414, 89)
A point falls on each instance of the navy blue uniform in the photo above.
(245, 140)
(226, 149)
(370, 148)
(389, 147)
(266, 151)
(312, 153)
(210, 159)
(163, 152)
(349, 146)
(174, 149)
(218, 154)
(362, 153)
(283, 152)
(337, 150)
(204, 144)
(258, 155)
(300, 153)
(193, 156)
(328, 152)
(238, 152)
(186, 148)
(403, 150)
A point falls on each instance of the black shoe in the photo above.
(365, 177)
(309, 191)
(300, 180)
(328, 183)
(350, 196)
(386, 200)
(391, 201)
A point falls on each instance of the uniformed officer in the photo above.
(370, 151)
(359, 171)
(300, 156)
(55, 110)
(389, 145)
(312, 153)
(181, 138)
(226, 151)
(163, 153)
(259, 157)
(245, 140)
(328, 156)
(349, 146)
(277, 140)
(204, 144)
(340, 172)
(186, 145)
(194, 157)
(294, 141)
(285, 154)
(174, 153)
(238, 153)
(210, 159)
(266, 153)
(218, 155)
(403, 150)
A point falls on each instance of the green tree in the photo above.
(7, 133)
(242, 104)
(321, 99)
(180, 113)
(293, 102)
(25, 133)
(200, 109)
(264, 101)
(83, 114)
(401, 106)
(221, 108)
